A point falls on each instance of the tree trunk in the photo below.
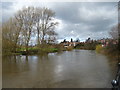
(27, 48)
(38, 37)
(43, 38)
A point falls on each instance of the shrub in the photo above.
(99, 48)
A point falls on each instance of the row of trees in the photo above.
(29, 23)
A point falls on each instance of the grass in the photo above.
(40, 50)
(36, 50)
(48, 50)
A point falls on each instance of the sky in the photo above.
(76, 19)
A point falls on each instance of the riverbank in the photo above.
(32, 51)
(38, 50)
(109, 51)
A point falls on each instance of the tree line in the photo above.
(28, 23)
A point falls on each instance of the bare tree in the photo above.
(11, 33)
(51, 36)
(25, 18)
(6, 36)
(114, 32)
(45, 22)
(38, 16)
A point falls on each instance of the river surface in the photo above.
(69, 69)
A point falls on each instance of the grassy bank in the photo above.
(110, 51)
(38, 50)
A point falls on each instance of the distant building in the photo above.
(67, 43)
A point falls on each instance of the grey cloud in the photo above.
(79, 19)
(104, 15)
(70, 11)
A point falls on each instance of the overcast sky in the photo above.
(76, 19)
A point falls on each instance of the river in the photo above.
(68, 69)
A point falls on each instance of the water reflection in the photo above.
(67, 69)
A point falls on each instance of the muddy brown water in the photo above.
(68, 69)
